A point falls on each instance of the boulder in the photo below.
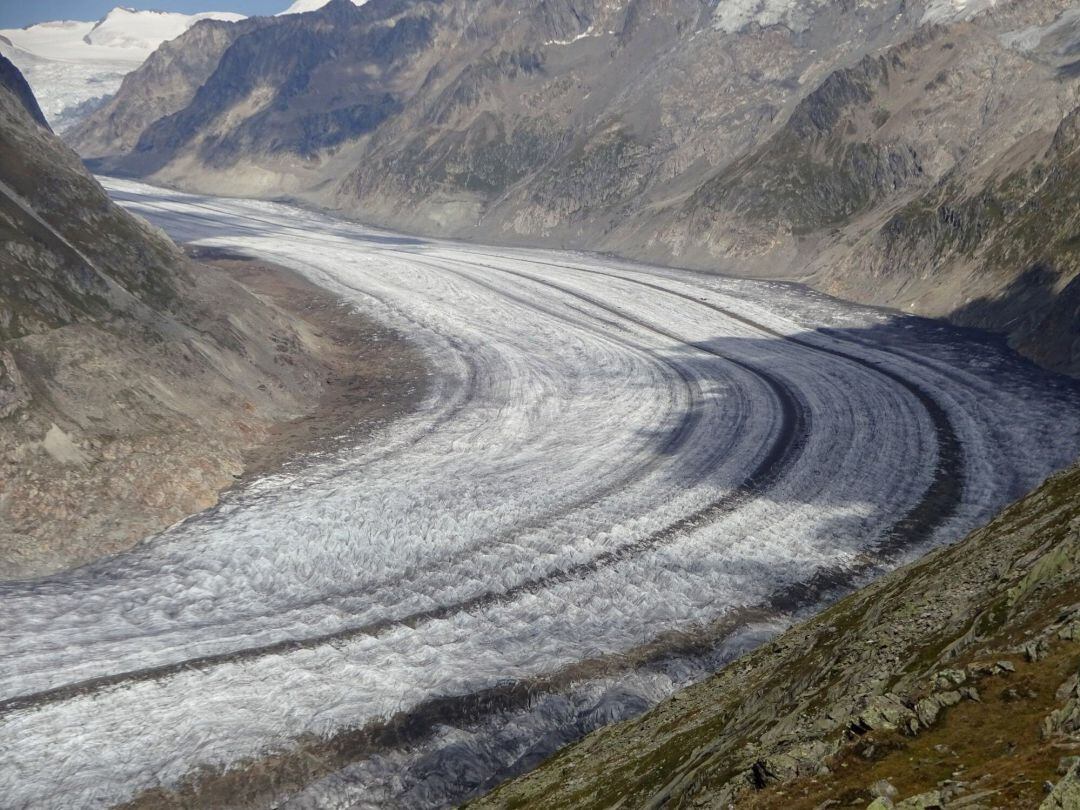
(931, 800)
(1066, 793)
(884, 713)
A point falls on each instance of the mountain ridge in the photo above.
(779, 139)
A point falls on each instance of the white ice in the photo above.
(580, 408)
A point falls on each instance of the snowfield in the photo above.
(611, 456)
(74, 67)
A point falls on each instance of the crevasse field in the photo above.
(621, 476)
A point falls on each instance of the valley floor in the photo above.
(619, 478)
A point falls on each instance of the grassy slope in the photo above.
(828, 708)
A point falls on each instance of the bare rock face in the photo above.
(883, 150)
(1066, 793)
(14, 83)
(164, 84)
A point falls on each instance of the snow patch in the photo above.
(304, 6)
(948, 11)
(733, 16)
(572, 40)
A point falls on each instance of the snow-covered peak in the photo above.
(122, 35)
(301, 6)
(145, 30)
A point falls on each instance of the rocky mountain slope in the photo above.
(891, 152)
(948, 683)
(132, 380)
(938, 175)
(162, 85)
(452, 105)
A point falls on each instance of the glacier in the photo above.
(610, 456)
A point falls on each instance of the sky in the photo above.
(17, 13)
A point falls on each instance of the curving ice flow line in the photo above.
(783, 449)
(609, 455)
(944, 494)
